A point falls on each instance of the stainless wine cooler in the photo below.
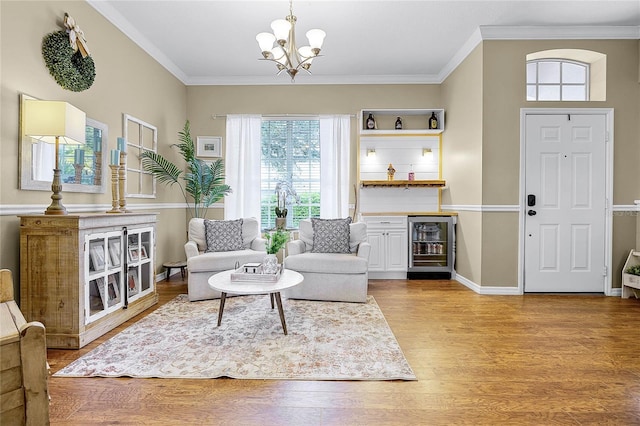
(431, 246)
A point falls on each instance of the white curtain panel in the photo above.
(242, 166)
(335, 144)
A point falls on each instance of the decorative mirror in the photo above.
(83, 167)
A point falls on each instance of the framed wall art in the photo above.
(209, 146)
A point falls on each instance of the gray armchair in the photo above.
(202, 265)
(340, 277)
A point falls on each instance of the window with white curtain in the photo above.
(557, 80)
(290, 161)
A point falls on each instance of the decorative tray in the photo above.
(258, 276)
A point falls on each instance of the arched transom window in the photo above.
(557, 80)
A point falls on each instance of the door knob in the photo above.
(531, 212)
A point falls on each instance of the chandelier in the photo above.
(280, 47)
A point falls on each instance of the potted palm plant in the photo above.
(203, 182)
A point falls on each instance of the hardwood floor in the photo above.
(494, 360)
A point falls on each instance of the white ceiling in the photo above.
(374, 41)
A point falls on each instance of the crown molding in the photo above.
(460, 55)
(483, 32)
(490, 32)
(302, 79)
(119, 21)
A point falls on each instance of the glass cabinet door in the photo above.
(103, 276)
(429, 245)
(140, 275)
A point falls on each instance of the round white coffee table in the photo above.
(222, 283)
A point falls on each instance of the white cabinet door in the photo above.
(377, 253)
(396, 250)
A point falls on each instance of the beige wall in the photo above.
(482, 99)
(205, 101)
(504, 95)
(127, 81)
(462, 159)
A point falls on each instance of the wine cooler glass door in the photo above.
(429, 244)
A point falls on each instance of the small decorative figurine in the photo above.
(371, 122)
(390, 172)
(399, 123)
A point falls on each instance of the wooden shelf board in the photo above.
(403, 183)
(404, 132)
(440, 213)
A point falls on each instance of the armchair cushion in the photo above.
(330, 235)
(327, 263)
(223, 235)
(357, 234)
(250, 231)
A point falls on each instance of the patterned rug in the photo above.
(326, 341)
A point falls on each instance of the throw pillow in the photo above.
(223, 235)
(330, 235)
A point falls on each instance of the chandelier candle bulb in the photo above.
(316, 38)
(281, 29)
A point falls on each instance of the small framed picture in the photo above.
(97, 284)
(209, 146)
(114, 252)
(96, 252)
(113, 290)
(132, 281)
(143, 253)
(134, 255)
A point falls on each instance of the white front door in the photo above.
(565, 190)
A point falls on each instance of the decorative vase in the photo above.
(281, 222)
(270, 264)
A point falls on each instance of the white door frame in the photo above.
(608, 113)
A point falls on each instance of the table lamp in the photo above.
(50, 121)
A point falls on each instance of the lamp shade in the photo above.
(306, 52)
(46, 120)
(265, 40)
(316, 38)
(281, 29)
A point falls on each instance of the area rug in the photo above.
(326, 341)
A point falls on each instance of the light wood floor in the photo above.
(480, 360)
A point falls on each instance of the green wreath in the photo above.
(69, 68)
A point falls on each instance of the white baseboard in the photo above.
(502, 291)
(163, 275)
(508, 291)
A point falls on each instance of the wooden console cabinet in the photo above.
(82, 275)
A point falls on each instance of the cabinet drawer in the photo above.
(385, 222)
